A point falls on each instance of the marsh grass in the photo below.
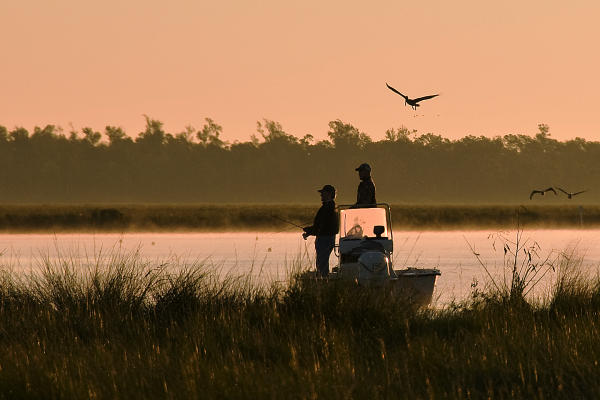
(273, 217)
(524, 267)
(121, 327)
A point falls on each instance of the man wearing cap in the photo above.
(366, 189)
(324, 227)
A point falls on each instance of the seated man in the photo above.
(365, 196)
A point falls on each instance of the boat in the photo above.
(365, 251)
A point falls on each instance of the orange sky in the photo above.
(501, 67)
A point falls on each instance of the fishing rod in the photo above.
(287, 222)
(304, 235)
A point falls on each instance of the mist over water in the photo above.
(270, 257)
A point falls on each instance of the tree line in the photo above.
(273, 166)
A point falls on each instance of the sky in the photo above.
(500, 67)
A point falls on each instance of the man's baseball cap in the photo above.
(327, 188)
(364, 166)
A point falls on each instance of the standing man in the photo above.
(325, 227)
(365, 196)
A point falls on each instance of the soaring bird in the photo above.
(542, 192)
(414, 103)
(569, 194)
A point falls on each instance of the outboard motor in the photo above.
(374, 268)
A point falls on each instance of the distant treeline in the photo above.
(49, 165)
(279, 217)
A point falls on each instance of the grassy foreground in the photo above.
(269, 217)
(126, 329)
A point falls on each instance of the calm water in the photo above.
(270, 256)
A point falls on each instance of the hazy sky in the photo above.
(500, 66)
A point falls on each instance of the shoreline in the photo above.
(271, 217)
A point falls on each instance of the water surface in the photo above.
(270, 256)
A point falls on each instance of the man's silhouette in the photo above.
(324, 227)
(365, 195)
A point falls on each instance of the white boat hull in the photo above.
(416, 284)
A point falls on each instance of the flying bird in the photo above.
(542, 192)
(569, 194)
(414, 103)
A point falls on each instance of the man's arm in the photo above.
(313, 229)
(372, 192)
(359, 193)
(317, 225)
(308, 231)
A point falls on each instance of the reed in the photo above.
(121, 327)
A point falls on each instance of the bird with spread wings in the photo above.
(542, 192)
(414, 103)
(569, 194)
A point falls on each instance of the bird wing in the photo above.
(425, 98)
(395, 91)
(562, 190)
(550, 189)
(534, 192)
(579, 192)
